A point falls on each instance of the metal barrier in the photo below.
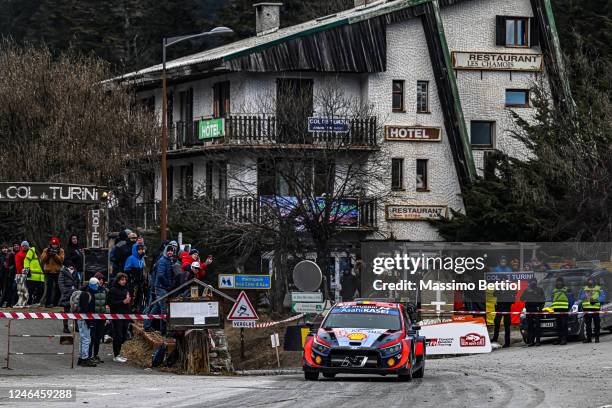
(48, 336)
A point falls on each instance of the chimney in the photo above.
(267, 17)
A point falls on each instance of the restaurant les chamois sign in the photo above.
(59, 192)
(497, 61)
(404, 212)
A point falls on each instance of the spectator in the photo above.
(119, 301)
(121, 251)
(4, 251)
(35, 276)
(502, 265)
(164, 279)
(348, 283)
(187, 258)
(134, 269)
(503, 306)
(133, 239)
(9, 295)
(21, 275)
(86, 304)
(52, 260)
(74, 253)
(69, 280)
(534, 299)
(98, 327)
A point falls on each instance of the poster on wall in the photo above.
(343, 212)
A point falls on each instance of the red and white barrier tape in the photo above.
(79, 316)
(479, 312)
(270, 324)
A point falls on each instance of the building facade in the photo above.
(434, 82)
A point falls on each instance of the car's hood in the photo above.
(354, 337)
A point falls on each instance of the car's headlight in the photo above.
(321, 348)
(395, 349)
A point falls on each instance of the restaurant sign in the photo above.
(412, 133)
(497, 61)
(70, 193)
(404, 212)
(211, 128)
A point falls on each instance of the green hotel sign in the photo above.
(211, 128)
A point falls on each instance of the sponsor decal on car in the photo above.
(472, 340)
(357, 336)
(365, 309)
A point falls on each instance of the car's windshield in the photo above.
(363, 318)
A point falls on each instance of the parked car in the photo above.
(575, 279)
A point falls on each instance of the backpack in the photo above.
(157, 359)
(74, 301)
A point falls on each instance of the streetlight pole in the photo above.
(163, 213)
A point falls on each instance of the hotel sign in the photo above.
(403, 212)
(497, 61)
(211, 128)
(412, 133)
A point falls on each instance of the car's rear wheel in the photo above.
(311, 375)
(420, 372)
(329, 375)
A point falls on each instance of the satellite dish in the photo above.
(307, 276)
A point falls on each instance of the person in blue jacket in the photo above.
(164, 279)
(134, 269)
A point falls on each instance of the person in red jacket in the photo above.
(21, 276)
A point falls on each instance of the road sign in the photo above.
(307, 307)
(274, 339)
(307, 276)
(243, 309)
(239, 281)
(243, 323)
(308, 297)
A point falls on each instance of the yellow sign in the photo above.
(357, 336)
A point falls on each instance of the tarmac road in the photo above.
(576, 375)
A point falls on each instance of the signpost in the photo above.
(307, 307)
(310, 297)
(239, 281)
(211, 128)
(275, 344)
(241, 313)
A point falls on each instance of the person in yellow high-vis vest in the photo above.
(592, 296)
(36, 277)
(562, 301)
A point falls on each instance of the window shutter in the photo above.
(534, 32)
(500, 30)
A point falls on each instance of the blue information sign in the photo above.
(239, 281)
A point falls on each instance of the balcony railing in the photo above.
(261, 130)
(243, 210)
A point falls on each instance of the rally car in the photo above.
(365, 337)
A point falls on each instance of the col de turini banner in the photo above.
(71, 193)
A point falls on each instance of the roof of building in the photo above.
(253, 44)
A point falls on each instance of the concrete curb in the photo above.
(280, 371)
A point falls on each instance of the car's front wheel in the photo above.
(405, 377)
(420, 372)
(329, 375)
(311, 375)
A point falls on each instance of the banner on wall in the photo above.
(456, 335)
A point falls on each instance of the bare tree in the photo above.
(60, 122)
(292, 189)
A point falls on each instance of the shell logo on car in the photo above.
(357, 336)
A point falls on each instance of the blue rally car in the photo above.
(365, 337)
